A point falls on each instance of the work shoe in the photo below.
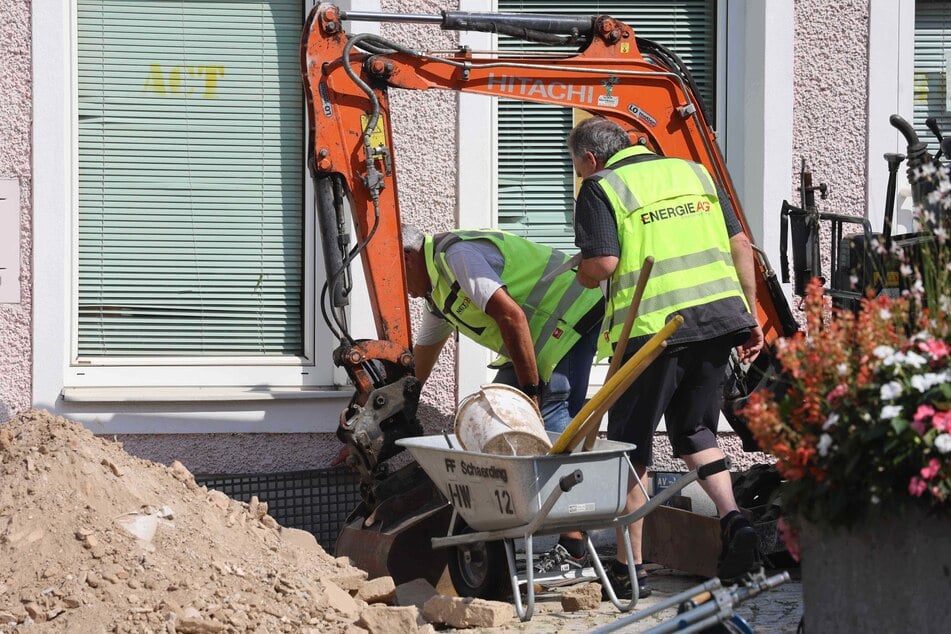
(559, 562)
(738, 556)
(621, 583)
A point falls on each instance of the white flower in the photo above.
(890, 391)
(825, 441)
(842, 369)
(883, 352)
(943, 443)
(885, 314)
(924, 382)
(914, 359)
(890, 411)
(875, 499)
(831, 421)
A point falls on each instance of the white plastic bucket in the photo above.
(501, 420)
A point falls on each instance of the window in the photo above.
(932, 66)
(535, 177)
(192, 246)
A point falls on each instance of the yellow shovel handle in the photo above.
(614, 387)
(592, 435)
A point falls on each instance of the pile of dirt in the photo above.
(93, 539)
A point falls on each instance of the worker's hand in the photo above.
(751, 349)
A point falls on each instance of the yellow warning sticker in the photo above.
(377, 136)
(625, 47)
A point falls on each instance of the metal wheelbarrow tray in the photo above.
(509, 497)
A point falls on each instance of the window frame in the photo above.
(306, 370)
(152, 396)
(308, 274)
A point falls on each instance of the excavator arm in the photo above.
(632, 81)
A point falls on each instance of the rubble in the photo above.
(582, 597)
(95, 540)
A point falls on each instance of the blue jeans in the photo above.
(565, 393)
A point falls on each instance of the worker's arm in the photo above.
(742, 251)
(516, 335)
(432, 335)
(426, 356)
(592, 271)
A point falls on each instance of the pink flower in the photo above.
(790, 537)
(936, 347)
(919, 427)
(934, 466)
(942, 421)
(837, 392)
(917, 486)
(924, 412)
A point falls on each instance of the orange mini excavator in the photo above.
(636, 82)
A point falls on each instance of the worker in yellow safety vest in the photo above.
(518, 298)
(632, 204)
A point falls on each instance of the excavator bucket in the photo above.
(395, 538)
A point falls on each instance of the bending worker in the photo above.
(502, 291)
(633, 204)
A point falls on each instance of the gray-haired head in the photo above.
(601, 137)
(412, 238)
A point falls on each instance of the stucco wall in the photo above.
(424, 124)
(831, 88)
(15, 163)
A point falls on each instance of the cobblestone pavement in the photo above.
(775, 611)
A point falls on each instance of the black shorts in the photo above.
(685, 387)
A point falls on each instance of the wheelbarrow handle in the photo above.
(568, 482)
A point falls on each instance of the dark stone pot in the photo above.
(886, 575)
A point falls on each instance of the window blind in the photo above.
(535, 176)
(190, 178)
(932, 61)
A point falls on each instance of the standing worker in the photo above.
(633, 204)
(504, 292)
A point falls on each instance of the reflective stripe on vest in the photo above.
(552, 308)
(666, 208)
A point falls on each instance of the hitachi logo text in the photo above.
(529, 87)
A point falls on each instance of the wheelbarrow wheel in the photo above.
(480, 570)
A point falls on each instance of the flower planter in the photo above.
(887, 575)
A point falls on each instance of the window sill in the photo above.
(184, 394)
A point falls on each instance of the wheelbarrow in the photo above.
(504, 498)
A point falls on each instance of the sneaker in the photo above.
(559, 562)
(621, 583)
(738, 556)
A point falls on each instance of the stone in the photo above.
(415, 592)
(188, 625)
(351, 581)
(301, 539)
(218, 499)
(467, 612)
(339, 599)
(379, 590)
(584, 597)
(379, 619)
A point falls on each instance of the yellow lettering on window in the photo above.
(211, 79)
(183, 79)
(155, 80)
